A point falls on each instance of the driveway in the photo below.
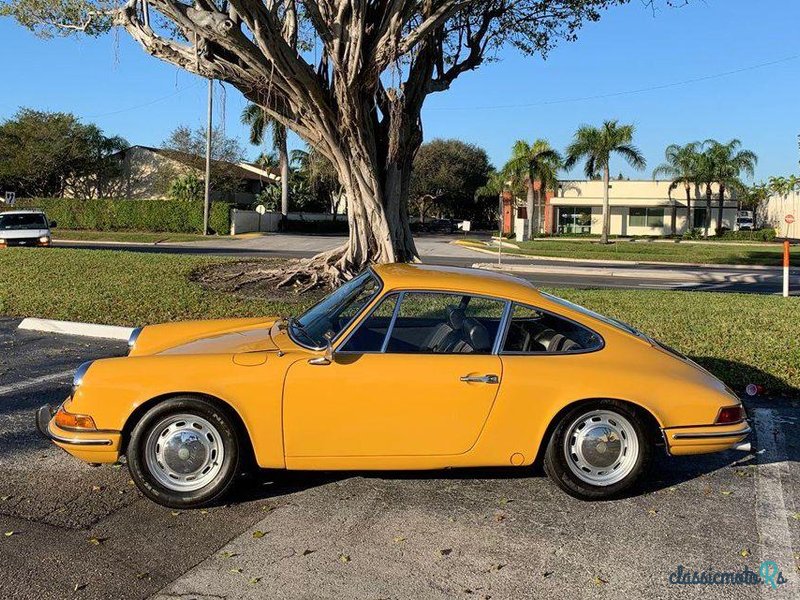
(74, 531)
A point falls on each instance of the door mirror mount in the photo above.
(326, 358)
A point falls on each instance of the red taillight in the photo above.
(730, 414)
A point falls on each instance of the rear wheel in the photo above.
(184, 453)
(598, 451)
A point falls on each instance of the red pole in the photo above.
(785, 268)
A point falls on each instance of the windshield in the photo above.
(23, 221)
(590, 313)
(335, 312)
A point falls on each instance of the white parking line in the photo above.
(30, 383)
(771, 510)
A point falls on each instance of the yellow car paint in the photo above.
(396, 411)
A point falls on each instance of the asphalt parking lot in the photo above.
(74, 531)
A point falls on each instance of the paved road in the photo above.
(83, 532)
(436, 249)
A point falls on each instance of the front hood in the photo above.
(217, 336)
(15, 234)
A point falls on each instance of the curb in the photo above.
(93, 330)
(636, 274)
(630, 263)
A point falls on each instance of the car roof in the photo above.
(26, 211)
(398, 276)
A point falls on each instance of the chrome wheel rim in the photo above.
(184, 452)
(601, 447)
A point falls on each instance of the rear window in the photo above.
(590, 313)
(23, 221)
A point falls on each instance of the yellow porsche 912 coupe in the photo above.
(403, 367)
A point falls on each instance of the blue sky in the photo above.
(112, 82)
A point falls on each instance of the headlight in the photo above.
(133, 337)
(2, 241)
(77, 379)
(45, 239)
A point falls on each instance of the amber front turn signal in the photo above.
(67, 420)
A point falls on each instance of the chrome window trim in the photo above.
(402, 293)
(502, 328)
(367, 306)
(397, 303)
(545, 353)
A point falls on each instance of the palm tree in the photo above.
(680, 165)
(726, 163)
(259, 122)
(529, 164)
(595, 145)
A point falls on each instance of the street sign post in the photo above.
(260, 209)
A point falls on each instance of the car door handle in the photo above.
(494, 379)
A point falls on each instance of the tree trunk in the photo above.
(606, 207)
(283, 161)
(720, 208)
(530, 207)
(707, 220)
(689, 224)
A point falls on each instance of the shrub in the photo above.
(174, 216)
(767, 234)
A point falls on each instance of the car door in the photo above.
(419, 376)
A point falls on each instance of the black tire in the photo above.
(149, 484)
(557, 462)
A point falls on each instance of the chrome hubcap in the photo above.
(601, 447)
(184, 452)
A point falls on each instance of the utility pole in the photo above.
(207, 196)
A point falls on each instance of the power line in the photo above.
(626, 92)
(151, 102)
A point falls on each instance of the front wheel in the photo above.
(598, 451)
(184, 453)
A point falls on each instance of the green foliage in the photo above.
(48, 154)
(595, 145)
(445, 178)
(319, 179)
(767, 234)
(141, 215)
(225, 153)
(713, 253)
(695, 233)
(186, 188)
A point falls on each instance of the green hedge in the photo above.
(759, 235)
(172, 216)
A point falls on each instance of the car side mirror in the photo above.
(53, 224)
(326, 358)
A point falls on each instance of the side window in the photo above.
(532, 331)
(370, 335)
(435, 323)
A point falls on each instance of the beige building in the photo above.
(776, 209)
(638, 207)
(147, 173)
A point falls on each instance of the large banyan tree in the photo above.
(350, 77)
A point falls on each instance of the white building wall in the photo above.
(777, 207)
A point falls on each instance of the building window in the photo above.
(646, 217)
(699, 221)
(574, 219)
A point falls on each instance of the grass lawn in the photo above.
(761, 254)
(741, 338)
(142, 237)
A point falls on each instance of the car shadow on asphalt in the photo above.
(664, 472)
